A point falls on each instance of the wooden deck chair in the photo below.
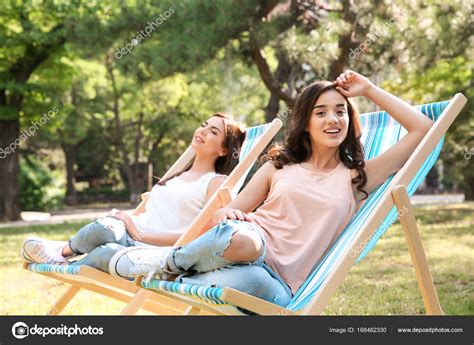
(374, 217)
(84, 277)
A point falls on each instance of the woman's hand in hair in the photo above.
(230, 213)
(352, 84)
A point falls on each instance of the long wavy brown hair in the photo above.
(234, 138)
(297, 145)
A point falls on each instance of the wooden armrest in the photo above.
(225, 195)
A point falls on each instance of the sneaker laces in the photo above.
(143, 267)
(160, 273)
(149, 276)
(157, 272)
(146, 263)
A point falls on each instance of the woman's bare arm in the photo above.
(378, 169)
(417, 125)
(157, 239)
(253, 194)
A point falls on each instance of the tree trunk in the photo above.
(9, 170)
(119, 130)
(271, 82)
(137, 185)
(10, 158)
(469, 187)
(11, 104)
(152, 152)
(347, 42)
(70, 156)
(272, 108)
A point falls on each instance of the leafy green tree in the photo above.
(29, 35)
(39, 188)
(441, 82)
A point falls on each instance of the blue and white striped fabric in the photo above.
(210, 296)
(60, 269)
(252, 135)
(380, 132)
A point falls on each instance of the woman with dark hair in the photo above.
(170, 208)
(308, 191)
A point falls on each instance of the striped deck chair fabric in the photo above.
(60, 269)
(253, 134)
(210, 296)
(379, 132)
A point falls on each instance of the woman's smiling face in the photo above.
(329, 120)
(209, 137)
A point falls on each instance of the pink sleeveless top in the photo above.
(303, 214)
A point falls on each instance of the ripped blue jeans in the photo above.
(201, 262)
(100, 240)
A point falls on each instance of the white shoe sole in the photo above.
(25, 256)
(26, 246)
(116, 263)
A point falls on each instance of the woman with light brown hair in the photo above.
(172, 205)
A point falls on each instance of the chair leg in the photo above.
(64, 300)
(192, 311)
(415, 247)
(137, 302)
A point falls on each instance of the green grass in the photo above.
(383, 283)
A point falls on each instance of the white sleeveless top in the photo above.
(171, 208)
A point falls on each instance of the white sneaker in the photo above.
(25, 257)
(43, 251)
(137, 261)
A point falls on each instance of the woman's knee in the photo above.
(100, 257)
(100, 233)
(245, 245)
(92, 229)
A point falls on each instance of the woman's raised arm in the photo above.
(378, 169)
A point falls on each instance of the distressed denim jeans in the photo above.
(201, 262)
(100, 240)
